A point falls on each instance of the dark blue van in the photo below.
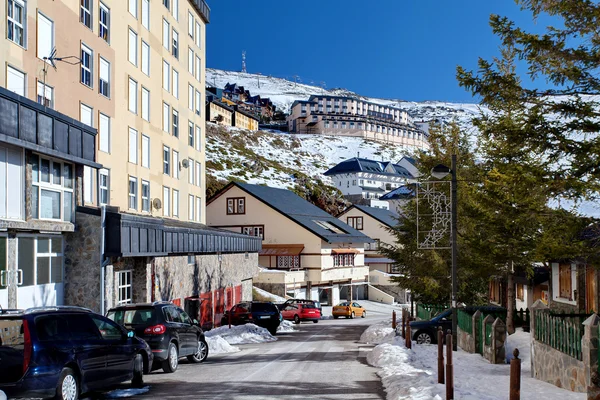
(63, 352)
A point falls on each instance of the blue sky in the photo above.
(404, 49)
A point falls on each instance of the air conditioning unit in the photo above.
(185, 163)
(156, 204)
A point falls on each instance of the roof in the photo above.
(386, 217)
(364, 165)
(302, 212)
(402, 192)
(247, 114)
(222, 105)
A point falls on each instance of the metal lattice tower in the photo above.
(244, 61)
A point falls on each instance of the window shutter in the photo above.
(45, 36)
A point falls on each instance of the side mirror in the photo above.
(130, 334)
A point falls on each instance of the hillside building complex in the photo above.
(346, 116)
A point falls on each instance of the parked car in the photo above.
(63, 352)
(168, 330)
(264, 314)
(301, 301)
(348, 309)
(301, 312)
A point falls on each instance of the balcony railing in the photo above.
(203, 9)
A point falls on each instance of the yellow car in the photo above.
(348, 309)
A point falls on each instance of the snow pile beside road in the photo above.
(267, 295)
(122, 393)
(379, 333)
(412, 374)
(286, 326)
(242, 334)
(218, 345)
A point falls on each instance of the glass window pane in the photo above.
(26, 261)
(35, 202)
(68, 176)
(45, 170)
(43, 270)
(68, 207)
(43, 245)
(50, 204)
(56, 273)
(35, 165)
(56, 173)
(3, 254)
(56, 245)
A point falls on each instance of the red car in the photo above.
(301, 312)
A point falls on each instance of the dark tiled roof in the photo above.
(386, 217)
(304, 213)
(402, 192)
(222, 105)
(364, 165)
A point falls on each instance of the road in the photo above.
(319, 361)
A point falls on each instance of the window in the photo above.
(343, 260)
(132, 96)
(191, 207)
(166, 160)
(133, 8)
(288, 262)
(191, 61)
(175, 203)
(45, 95)
(175, 45)
(198, 35)
(564, 281)
(11, 190)
(52, 189)
(104, 22)
(132, 47)
(330, 227)
(166, 201)
(132, 193)
(166, 75)
(166, 29)
(86, 65)
(145, 104)
(45, 36)
(88, 184)
(520, 292)
(198, 102)
(103, 187)
(166, 112)
(104, 78)
(124, 281)
(85, 114)
(191, 97)
(373, 246)
(236, 205)
(146, 14)
(167, 4)
(190, 25)
(145, 196)
(104, 133)
(133, 143)
(175, 84)
(198, 209)
(15, 81)
(175, 126)
(198, 138)
(175, 164)
(41, 258)
(191, 171)
(175, 10)
(191, 133)
(85, 13)
(145, 58)
(198, 69)
(145, 151)
(198, 173)
(254, 231)
(16, 22)
(356, 222)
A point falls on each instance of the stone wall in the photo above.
(557, 368)
(466, 341)
(247, 290)
(275, 288)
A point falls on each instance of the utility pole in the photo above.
(453, 191)
(258, 74)
(322, 87)
(295, 80)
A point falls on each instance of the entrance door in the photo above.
(3, 274)
(591, 290)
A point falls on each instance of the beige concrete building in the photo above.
(306, 252)
(346, 116)
(219, 113)
(245, 120)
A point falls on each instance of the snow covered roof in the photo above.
(364, 165)
(402, 192)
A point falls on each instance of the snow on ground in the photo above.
(267, 295)
(242, 334)
(379, 333)
(412, 374)
(218, 345)
(122, 393)
(286, 327)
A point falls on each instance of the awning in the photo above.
(344, 251)
(281, 249)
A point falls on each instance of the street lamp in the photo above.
(440, 171)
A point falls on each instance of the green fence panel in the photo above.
(562, 332)
(465, 321)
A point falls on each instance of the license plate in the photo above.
(264, 317)
(311, 312)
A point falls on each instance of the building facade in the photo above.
(219, 113)
(245, 120)
(346, 116)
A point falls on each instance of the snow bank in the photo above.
(218, 345)
(286, 326)
(242, 334)
(412, 374)
(379, 333)
(267, 295)
(121, 393)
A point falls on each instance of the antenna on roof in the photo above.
(51, 59)
(244, 61)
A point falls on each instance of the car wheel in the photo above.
(172, 361)
(273, 331)
(364, 314)
(296, 319)
(68, 387)
(315, 321)
(423, 338)
(352, 315)
(138, 371)
(201, 352)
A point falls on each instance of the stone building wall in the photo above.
(247, 290)
(552, 366)
(274, 288)
(466, 341)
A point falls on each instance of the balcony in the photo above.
(203, 9)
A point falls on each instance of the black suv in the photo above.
(301, 301)
(168, 330)
(261, 313)
(62, 352)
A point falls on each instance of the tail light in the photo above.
(249, 316)
(27, 348)
(155, 330)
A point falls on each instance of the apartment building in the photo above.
(346, 116)
(134, 71)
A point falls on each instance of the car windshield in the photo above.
(262, 307)
(309, 306)
(344, 304)
(133, 316)
(446, 314)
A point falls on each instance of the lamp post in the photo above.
(441, 171)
